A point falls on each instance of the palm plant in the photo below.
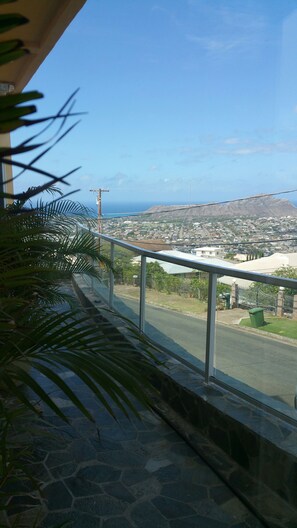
(39, 251)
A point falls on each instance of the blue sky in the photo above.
(187, 100)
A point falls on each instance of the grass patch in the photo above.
(276, 325)
(172, 301)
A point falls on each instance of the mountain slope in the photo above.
(261, 207)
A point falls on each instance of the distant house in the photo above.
(265, 265)
(241, 256)
(177, 269)
(209, 252)
(156, 244)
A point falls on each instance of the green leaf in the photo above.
(12, 151)
(10, 45)
(30, 382)
(16, 392)
(51, 375)
(66, 524)
(12, 113)
(11, 21)
(15, 99)
(5, 58)
(11, 125)
(39, 250)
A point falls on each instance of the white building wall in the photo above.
(209, 252)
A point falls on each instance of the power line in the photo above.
(261, 241)
(185, 222)
(184, 207)
(253, 197)
(197, 206)
(218, 243)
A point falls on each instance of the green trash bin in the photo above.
(257, 317)
(227, 300)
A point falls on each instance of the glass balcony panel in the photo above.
(255, 342)
(176, 310)
(127, 283)
(101, 286)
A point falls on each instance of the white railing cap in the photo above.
(200, 266)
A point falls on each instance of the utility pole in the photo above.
(99, 203)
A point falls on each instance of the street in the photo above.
(262, 363)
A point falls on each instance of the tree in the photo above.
(156, 276)
(288, 272)
(199, 288)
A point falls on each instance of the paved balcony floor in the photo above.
(123, 473)
(127, 473)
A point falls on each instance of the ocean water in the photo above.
(116, 209)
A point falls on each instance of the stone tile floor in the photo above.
(128, 474)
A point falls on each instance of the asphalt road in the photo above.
(265, 364)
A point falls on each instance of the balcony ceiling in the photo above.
(48, 20)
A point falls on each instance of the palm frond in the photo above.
(71, 341)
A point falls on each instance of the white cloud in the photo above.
(242, 21)
(216, 45)
(119, 180)
(233, 147)
(231, 29)
(153, 168)
(86, 177)
(161, 9)
(278, 147)
(207, 139)
(252, 150)
(231, 141)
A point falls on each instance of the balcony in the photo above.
(229, 391)
(231, 387)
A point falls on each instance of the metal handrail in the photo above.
(200, 266)
(214, 271)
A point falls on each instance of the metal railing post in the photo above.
(92, 278)
(211, 326)
(142, 294)
(111, 275)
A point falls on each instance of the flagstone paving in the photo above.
(128, 473)
(123, 473)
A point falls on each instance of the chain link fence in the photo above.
(288, 304)
(252, 298)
